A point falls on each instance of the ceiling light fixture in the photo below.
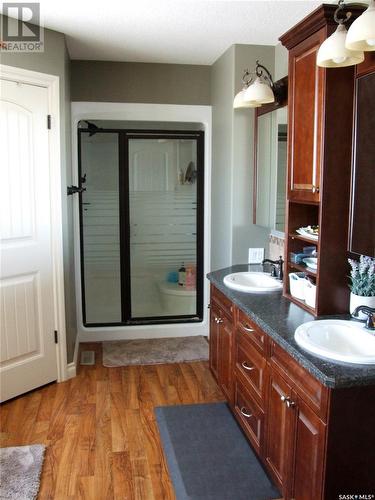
(259, 89)
(361, 34)
(333, 52)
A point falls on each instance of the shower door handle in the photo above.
(75, 189)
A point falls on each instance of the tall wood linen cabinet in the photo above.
(320, 123)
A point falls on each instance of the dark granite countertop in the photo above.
(279, 318)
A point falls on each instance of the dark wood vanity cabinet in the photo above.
(315, 442)
(296, 429)
(305, 119)
(221, 342)
(320, 124)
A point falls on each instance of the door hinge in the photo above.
(56, 337)
(49, 122)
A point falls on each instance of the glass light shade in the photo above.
(259, 92)
(239, 101)
(333, 53)
(361, 34)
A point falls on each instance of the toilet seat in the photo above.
(176, 289)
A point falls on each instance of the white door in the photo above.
(27, 346)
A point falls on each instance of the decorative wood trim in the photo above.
(319, 18)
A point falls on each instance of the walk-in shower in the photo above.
(141, 221)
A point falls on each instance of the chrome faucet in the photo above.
(370, 312)
(276, 267)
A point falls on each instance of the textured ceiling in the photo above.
(169, 31)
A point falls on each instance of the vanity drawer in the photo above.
(251, 331)
(251, 365)
(223, 302)
(249, 414)
(313, 392)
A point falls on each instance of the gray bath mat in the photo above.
(155, 351)
(20, 469)
(208, 455)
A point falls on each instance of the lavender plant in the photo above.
(362, 276)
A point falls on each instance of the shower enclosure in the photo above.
(141, 220)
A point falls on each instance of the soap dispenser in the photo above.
(182, 275)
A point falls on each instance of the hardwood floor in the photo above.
(102, 438)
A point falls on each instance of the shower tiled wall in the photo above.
(275, 247)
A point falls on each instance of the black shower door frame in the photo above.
(124, 135)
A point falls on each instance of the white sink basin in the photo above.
(252, 282)
(337, 340)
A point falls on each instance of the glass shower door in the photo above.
(100, 228)
(163, 226)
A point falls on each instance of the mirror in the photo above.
(362, 220)
(270, 165)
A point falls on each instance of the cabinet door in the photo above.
(214, 340)
(306, 89)
(225, 356)
(308, 453)
(279, 429)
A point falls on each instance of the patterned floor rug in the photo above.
(20, 469)
(155, 351)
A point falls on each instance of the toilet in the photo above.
(177, 300)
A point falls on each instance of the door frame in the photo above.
(151, 113)
(52, 84)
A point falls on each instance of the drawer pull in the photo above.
(245, 413)
(247, 367)
(247, 328)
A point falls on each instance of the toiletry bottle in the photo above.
(180, 177)
(182, 275)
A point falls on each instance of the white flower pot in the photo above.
(357, 300)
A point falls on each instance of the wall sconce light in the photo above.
(239, 100)
(361, 34)
(258, 89)
(334, 53)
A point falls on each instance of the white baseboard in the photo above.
(71, 368)
(142, 332)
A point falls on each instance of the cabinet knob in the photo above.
(245, 413)
(247, 367)
(218, 320)
(288, 401)
(315, 189)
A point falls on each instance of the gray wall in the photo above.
(55, 61)
(245, 233)
(233, 231)
(104, 81)
(222, 89)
